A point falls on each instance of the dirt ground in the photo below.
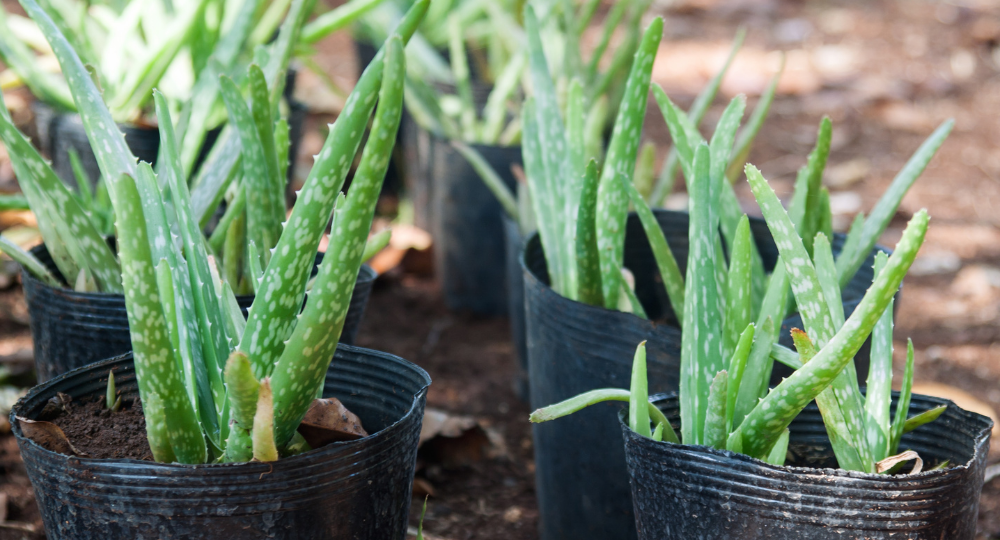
(887, 73)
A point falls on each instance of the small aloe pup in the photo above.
(213, 386)
(732, 411)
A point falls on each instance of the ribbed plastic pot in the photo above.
(467, 226)
(572, 348)
(358, 490)
(71, 329)
(515, 303)
(698, 493)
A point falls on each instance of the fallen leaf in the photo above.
(452, 440)
(891, 462)
(49, 436)
(327, 421)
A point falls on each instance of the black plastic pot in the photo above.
(515, 303)
(574, 348)
(71, 329)
(467, 226)
(695, 492)
(356, 490)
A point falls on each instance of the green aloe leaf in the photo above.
(29, 262)
(612, 202)
(826, 271)
(923, 418)
(701, 339)
(903, 403)
(715, 416)
(587, 259)
(756, 374)
(738, 290)
(586, 399)
(886, 207)
(335, 19)
(737, 369)
(638, 412)
(780, 450)
(302, 366)
(879, 394)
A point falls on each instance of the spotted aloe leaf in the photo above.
(302, 366)
(804, 210)
(279, 295)
(715, 415)
(903, 404)
(762, 428)
(29, 262)
(756, 374)
(701, 336)
(619, 163)
(587, 260)
(737, 369)
(71, 236)
(738, 289)
(171, 426)
(879, 394)
(880, 216)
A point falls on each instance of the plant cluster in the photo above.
(213, 385)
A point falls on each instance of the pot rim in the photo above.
(725, 456)
(222, 468)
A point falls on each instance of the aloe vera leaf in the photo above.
(826, 271)
(683, 133)
(779, 451)
(204, 317)
(13, 202)
(83, 191)
(715, 415)
(903, 403)
(638, 412)
(886, 206)
(658, 433)
(263, 224)
(264, 448)
(489, 176)
(42, 84)
(665, 180)
(593, 129)
(586, 399)
(644, 169)
(69, 233)
(814, 176)
(495, 111)
(763, 425)
(744, 141)
(701, 336)
(738, 290)
(546, 163)
(610, 23)
(587, 259)
(220, 168)
(335, 19)
(852, 241)
(756, 374)
(156, 368)
(233, 249)
(255, 264)
(234, 210)
(879, 394)
(609, 82)
(786, 356)
(843, 400)
(460, 70)
(303, 364)
(243, 389)
(29, 262)
(574, 137)
(629, 302)
(737, 370)
(376, 243)
(923, 418)
(263, 118)
(673, 281)
(612, 202)
(283, 143)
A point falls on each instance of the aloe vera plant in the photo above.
(215, 387)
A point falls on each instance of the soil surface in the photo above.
(94, 430)
(887, 72)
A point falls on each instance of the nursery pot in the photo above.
(357, 490)
(574, 348)
(71, 329)
(515, 303)
(683, 492)
(467, 226)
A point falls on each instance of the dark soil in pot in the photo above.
(694, 492)
(72, 329)
(353, 490)
(102, 434)
(573, 348)
(467, 226)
